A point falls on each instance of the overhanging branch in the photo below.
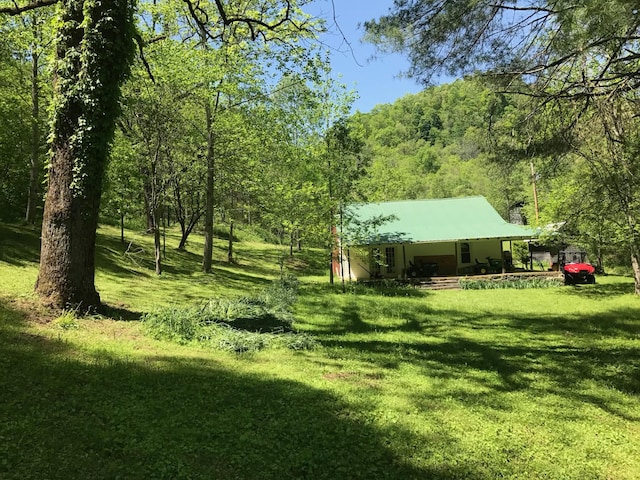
(18, 9)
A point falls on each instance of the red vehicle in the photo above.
(575, 268)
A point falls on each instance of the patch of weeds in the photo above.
(512, 283)
(68, 320)
(175, 323)
(298, 341)
(245, 324)
(386, 287)
(282, 294)
(237, 341)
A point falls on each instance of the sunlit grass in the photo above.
(525, 384)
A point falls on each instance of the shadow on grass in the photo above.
(122, 260)
(19, 245)
(565, 354)
(138, 261)
(105, 417)
(599, 290)
(119, 313)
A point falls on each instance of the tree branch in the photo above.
(17, 9)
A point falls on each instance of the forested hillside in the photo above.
(438, 144)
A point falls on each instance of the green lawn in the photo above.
(526, 384)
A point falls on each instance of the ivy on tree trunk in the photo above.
(93, 53)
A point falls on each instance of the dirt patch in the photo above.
(32, 310)
(339, 375)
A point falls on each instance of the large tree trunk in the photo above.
(93, 54)
(67, 257)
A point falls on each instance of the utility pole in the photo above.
(535, 190)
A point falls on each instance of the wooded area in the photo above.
(215, 114)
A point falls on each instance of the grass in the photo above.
(474, 384)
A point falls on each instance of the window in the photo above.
(465, 253)
(390, 258)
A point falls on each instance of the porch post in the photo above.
(456, 247)
(404, 262)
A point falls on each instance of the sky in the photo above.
(375, 79)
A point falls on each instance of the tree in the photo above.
(14, 133)
(94, 50)
(123, 184)
(609, 143)
(27, 40)
(344, 164)
(571, 48)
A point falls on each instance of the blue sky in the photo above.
(375, 79)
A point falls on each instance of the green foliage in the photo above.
(559, 45)
(509, 283)
(68, 320)
(386, 287)
(520, 252)
(245, 324)
(453, 160)
(14, 134)
(282, 293)
(25, 89)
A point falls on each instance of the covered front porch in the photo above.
(427, 259)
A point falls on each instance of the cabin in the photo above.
(453, 235)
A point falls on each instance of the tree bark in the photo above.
(157, 247)
(230, 247)
(291, 244)
(635, 264)
(122, 227)
(634, 245)
(93, 54)
(34, 173)
(207, 256)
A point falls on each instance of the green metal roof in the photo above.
(437, 220)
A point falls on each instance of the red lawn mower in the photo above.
(575, 268)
